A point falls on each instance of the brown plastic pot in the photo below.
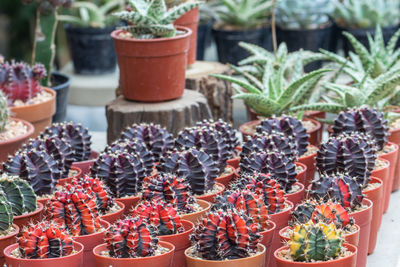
(257, 260)
(267, 237)
(129, 202)
(7, 240)
(152, 70)
(211, 197)
(163, 260)
(85, 165)
(195, 216)
(190, 20)
(181, 242)
(348, 261)
(363, 218)
(68, 180)
(73, 260)
(392, 157)
(40, 115)
(298, 196)
(10, 146)
(383, 175)
(25, 219)
(234, 162)
(226, 179)
(309, 161)
(394, 137)
(281, 220)
(89, 242)
(314, 115)
(112, 217)
(376, 196)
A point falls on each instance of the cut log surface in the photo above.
(174, 115)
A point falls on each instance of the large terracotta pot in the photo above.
(211, 197)
(163, 260)
(68, 180)
(129, 203)
(394, 137)
(112, 217)
(347, 261)
(226, 179)
(152, 70)
(40, 115)
(7, 240)
(190, 20)
(73, 260)
(383, 175)
(85, 165)
(195, 216)
(10, 146)
(309, 161)
(181, 242)
(257, 260)
(25, 219)
(376, 196)
(267, 237)
(298, 196)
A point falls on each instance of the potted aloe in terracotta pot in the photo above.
(151, 51)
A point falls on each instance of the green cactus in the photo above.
(3, 112)
(6, 214)
(152, 19)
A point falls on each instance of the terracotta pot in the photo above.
(314, 115)
(152, 70)
(226, 179)
(376, 196)
(42, 201)
(163, 260)
(392, 157)
(190, 20)
(394, 137)
(68, 180)
(40, 115)
(257, 260)
(298, 196)
(193, 217)
(363, 218)
(129, 202)
(10, 146)
(309, 161)
(85, 165)
(73, 260)
(25, 219)
(234, 162)
(281, 220)
(181, 242)
(248, 129)
(267, 237)
(383, 175)
(7, 240)
(89, 242)
(348, 261)
(211, 197)
(112, 217)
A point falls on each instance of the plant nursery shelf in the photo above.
(174, 115)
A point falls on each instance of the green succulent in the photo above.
(366, 13)
(3, 112)
(6, 214)
(152, 19)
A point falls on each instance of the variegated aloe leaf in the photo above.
(260, 103)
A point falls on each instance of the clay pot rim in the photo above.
(288, 209)
(288, 227)
(29, 132)
(206, 204)
(187, 230)
(229, 174)
(315, 122)
(396, 146)
(188, 32)
(366, 201)
(77, 246)
(91, 158)
(69, 179)
(48, 90)
(120, 205)
(302, 188)
(212, 194)
(313, 155)
(260, 247)
(301, 165)
(103, 223)
(350, 247)
(386, 167)
(126, 198)
(103, 247)
(13, 233)
(270, 229)
(377, 180)
(39, 209)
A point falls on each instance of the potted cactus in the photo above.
(122, 246)
(28, 100)
(88, 28)
(8, 229)
(41, 250)
(151, 52)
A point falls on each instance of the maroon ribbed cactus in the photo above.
(303, 212)
(228, 133)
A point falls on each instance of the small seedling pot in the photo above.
(87, 164)
(195, 216)
(392, 157)
(112, 217)
(310, 162)
(8, 240)
(227, 178)
(68, 180)
(34, 216)
(211, 197)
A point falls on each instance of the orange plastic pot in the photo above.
(226, 179)
(267, 237)
(89, 242)
(248, 129)
(68, 180)
(309, 161)
(195, 216)
(10, 146)
(73, 260)
(314, 115)
(234, 162)
(394, 137)
(181, 242)
(298, 196)
(257, 260)
(315, 134)
(383, 175)
(85, 165)
(152, 70)
(348, 261)
(376, 196)
(42, 201)
(129, 203)
(114, 216)
(163, 260)
(281, 220)
(7, 240)
(190, 20)
(211, 197)
(25, 219)
(363, 218)
(40, 115)
(392, 158)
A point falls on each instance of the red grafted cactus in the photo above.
(44, 240)
(131, 238)
(331, 212)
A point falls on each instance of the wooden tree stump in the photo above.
(218, 92)
(174, 115)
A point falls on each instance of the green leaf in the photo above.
(248, 87)
(73, 20)
(250, 78)
(327, 107)
(157, 10)
(383, 88)
(360, 49)
(177, 11)
(392, 42)
(261, 104)
(136, 18)
(256, 50)
(140, 6)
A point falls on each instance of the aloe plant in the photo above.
(152, 19)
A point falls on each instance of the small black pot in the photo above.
(92, 49)
(227, 43)
(61, 84)
(203, 38)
